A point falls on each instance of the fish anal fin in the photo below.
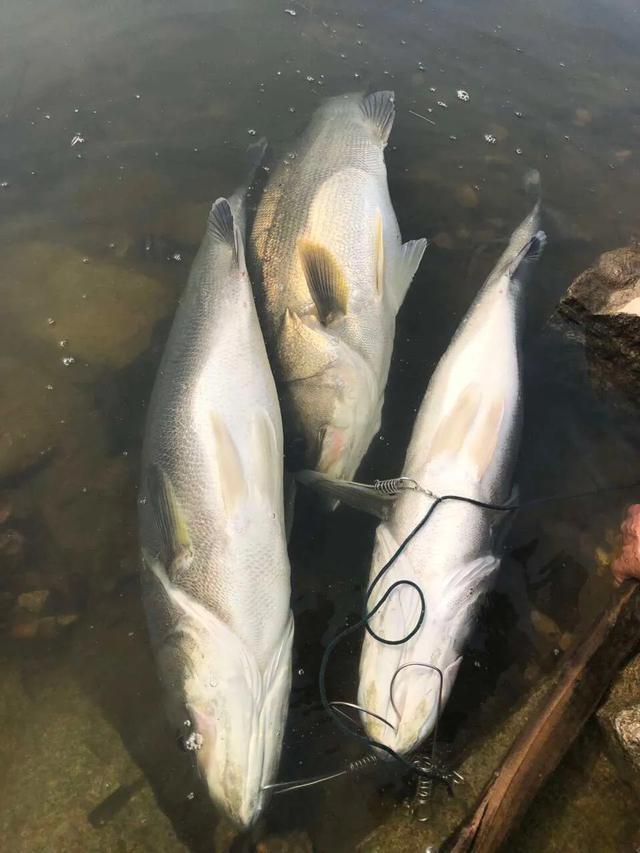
(410, 256)
(379, 254)
(379, 109)
(177, 549)
(267, 461)
(326, 280)
(231, 477)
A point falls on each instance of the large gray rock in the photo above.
(619, 719)
(603, 305)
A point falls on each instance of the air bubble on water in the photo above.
(490, 138)
(292, 109)
(67, 360)
(518, 151)
(291, 155)
(194, 742)
(84, 490)
(310, 79)
(343, 56)
(462, 95)
(49, 387)
(278, 73)
(356, 75)
(291, 12)
(176, 257)
(453, 138)
(4, 185)
(517, 113)
(76, 109)
(402, 41)
(190, 795)
(301, 671)
(85, 260)
(442, 104)
(432, 89)
(47, 116)
(187, 723)
(251, 132)
(360, 26)
(51, 321)
(63, 343)
(138, 96)
(77, 139)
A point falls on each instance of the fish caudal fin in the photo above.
(326, 281)
(380, 110)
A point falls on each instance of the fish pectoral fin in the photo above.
(177, 548)
(267, 460)
(470, 429)
(379, 109)
(357, 495)
(232, 481)
(325, 279)
(410, 256)
(222, 226)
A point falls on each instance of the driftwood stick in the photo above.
(582, 681)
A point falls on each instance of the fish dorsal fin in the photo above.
(302, 350)
(223, 227)
(177, 549)
(379, 254)
(357, 495)
(231, 477)
(325, 279)
(379, 109)
(410, 256)
(530, 253)
(266, 479)
(470, 430)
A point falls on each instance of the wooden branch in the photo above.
(582, 681)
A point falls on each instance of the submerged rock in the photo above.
(103, 311)
(603, 305)
(627, 563)
(619, 719)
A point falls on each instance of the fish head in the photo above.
(230, 711)
(332, 401)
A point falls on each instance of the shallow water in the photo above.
(96, 236)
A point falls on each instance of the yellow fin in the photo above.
(470, 429)
(266, 465)
(326, 281)
(174, 533)
(231, 476)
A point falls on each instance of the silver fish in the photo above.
(333, 273)
(216, 574)
(465, 442)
